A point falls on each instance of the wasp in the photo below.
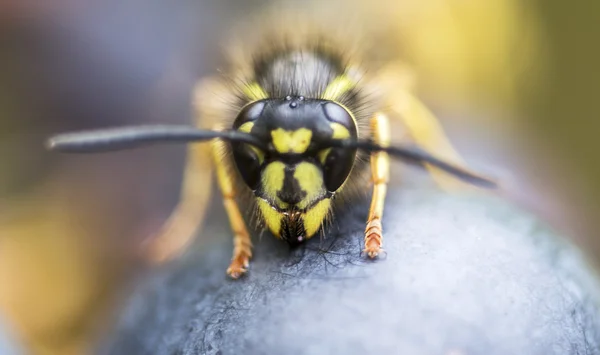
(294, 126)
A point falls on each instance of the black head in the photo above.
(298, 173)
(295, 129)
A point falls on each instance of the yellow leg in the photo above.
(380, 171)
(187, 218)
(242, 245)
(422, 125)
(188, 215)
(429, 135)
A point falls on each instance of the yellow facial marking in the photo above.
(271, 216)
(254, 92)
(272, 181)
(310, 179)
(314, 218)
(338, 87)
(291, 141)
(246, 128)
(323, 155)
(339, 131)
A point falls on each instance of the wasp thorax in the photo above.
(297, 175)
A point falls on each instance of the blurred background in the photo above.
(514, 82)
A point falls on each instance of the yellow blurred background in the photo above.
(514, 82)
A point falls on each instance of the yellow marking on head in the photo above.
(272, 181)
(338, 87)
(322, 155)
(314, 217)
(339, 131)
(310, 179)
(246, 128)
(254, 91)
(270, 215)
(291, 141)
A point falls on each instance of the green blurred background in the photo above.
(515, 83)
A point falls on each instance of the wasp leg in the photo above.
(429, 134)
(188, 216)
(421, 123)
(380, 173)
(242, 245)
(189, 213)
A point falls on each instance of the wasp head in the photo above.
(295, 178)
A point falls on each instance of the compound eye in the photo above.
(338, 162)
(248, 159)
(337, 114)
(337, 165)
(250, 113)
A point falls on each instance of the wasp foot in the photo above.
(238, 266)
(242, 253)
(373, 238)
